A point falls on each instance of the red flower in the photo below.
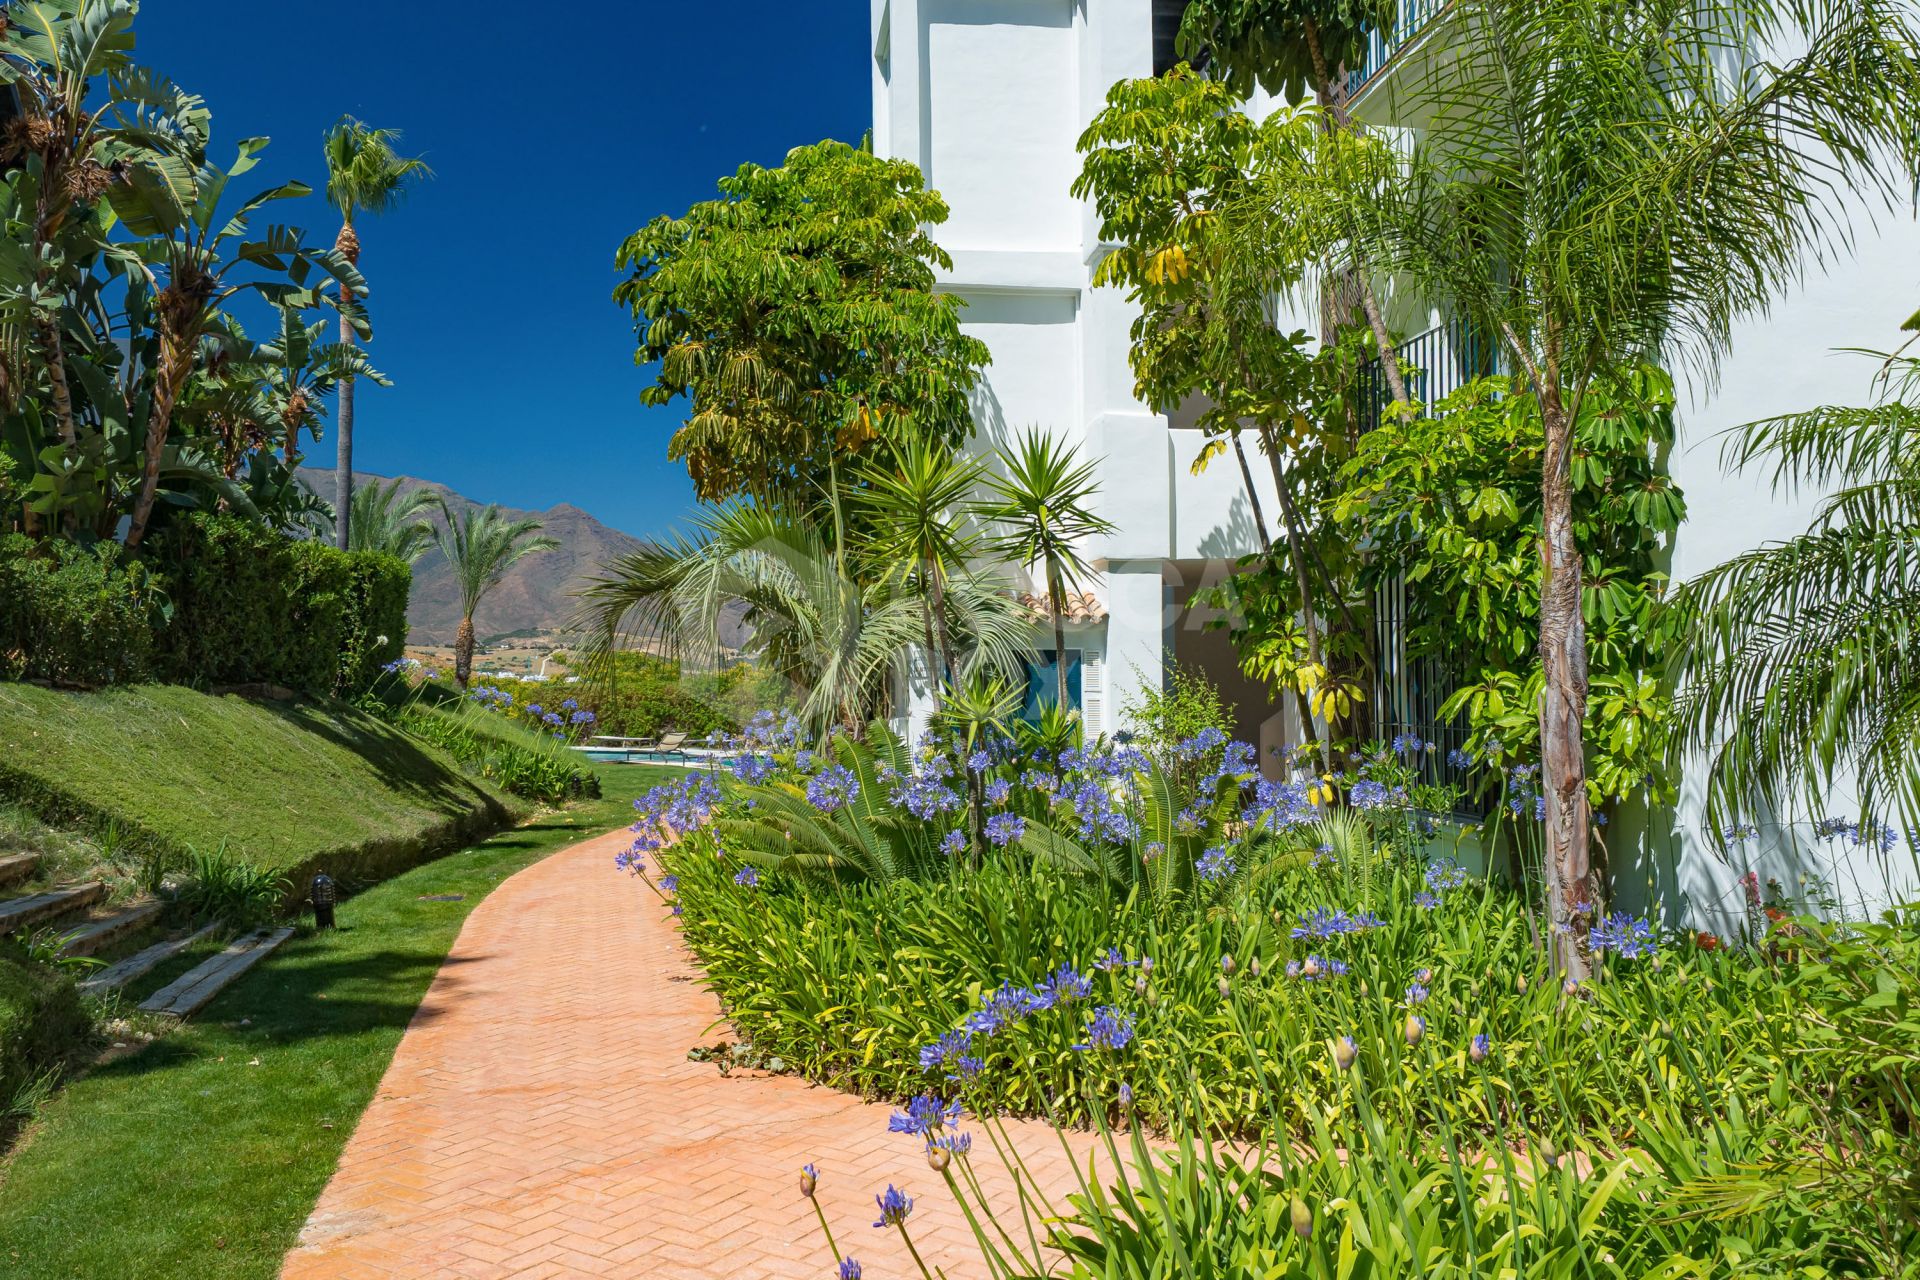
(1706, 941)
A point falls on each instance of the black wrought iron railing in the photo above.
(1436, 364)
(1410, 21)
(1408, 691)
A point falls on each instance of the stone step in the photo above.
(192, 990)
(38, 908)
(96, 935)
(140, 963)
(16, 867)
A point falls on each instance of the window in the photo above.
(1166, 29)
(1041, 686)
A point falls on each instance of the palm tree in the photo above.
(1802, 663)
(1043, 502)
(480, 545)
(383, 520)
(911, 533)
(1592, 189)
(364, 175)
(831, 637)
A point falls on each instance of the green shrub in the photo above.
(252, 605)
(511, 755)
(41, 1022)
(74, 615)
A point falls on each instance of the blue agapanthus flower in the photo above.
(1629, 936)
(894, 1207)
(754, 768)
(925, 1116)
(1214, 865)
(1446, 874)
(947, 1050)
(1426, 900)
(1460, 759)
(955, 842)
(1108, 1029)
(999, 791)
(746, 877)
(669, 884)
(1061, 987)
(979, 762)
(1004, 828)
(849, 1269)
(834, 787)
(1003, 1009)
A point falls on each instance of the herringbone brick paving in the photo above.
(541, 1119)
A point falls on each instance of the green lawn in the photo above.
(282, 785)
(201, 1156)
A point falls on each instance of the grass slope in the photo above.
(282, 785)
(201, 1157)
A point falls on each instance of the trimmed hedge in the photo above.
(218, 600)
(74, 614)
(41, 1023)
(250, 604)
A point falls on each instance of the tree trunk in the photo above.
(343, 467)
(1056, 602)
(1563, 705)
(176, 362)
(1296, 546)
(54, 346)
(347, 244)
(463, 652)
(1335, 103)
(936, 584)
(1253, 497)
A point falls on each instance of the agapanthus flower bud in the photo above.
(1140, 985)
(1311, 967)
(1523, 984)
(1423, 976)
(809, 1179)
(1226, 964)
(938, 1158)
(1571, 987)
(1478, 1050)
(1253, 967)
(1416, 1028)
(1302, 1219)
(1344, 1052)
(849, 1269)
(1226, 988)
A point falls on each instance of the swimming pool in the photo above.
(634, 755)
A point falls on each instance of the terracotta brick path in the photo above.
(541, 1119)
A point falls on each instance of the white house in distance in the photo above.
(988, 97)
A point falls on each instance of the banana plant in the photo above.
(194, 258)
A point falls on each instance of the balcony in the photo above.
(1414, 17)
(1437, 363)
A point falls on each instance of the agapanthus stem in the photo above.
(918, 1261)
(820, 1213)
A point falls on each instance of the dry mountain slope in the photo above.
(536, 593)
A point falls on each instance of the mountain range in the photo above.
(535, 595)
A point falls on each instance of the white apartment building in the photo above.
(988, 97)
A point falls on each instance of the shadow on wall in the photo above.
(1666, 863)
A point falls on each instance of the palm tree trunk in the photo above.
(463, 652)
(1336, 106)
(1056, 605)
(937, 587)
(343, 467)
(347, 244)
(1563, 704)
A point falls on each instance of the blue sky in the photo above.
(513, 371)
